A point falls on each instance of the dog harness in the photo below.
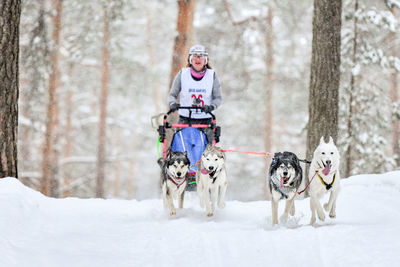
(327, 186)
(175, 183)
(214, 175)
(283, 194)
(277, 188)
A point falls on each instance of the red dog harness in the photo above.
(175, 183)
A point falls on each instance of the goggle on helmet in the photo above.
(198, 50)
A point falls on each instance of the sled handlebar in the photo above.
(195, 108)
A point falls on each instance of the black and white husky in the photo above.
(285, 176)
(174, 170)
(211, 179)
(325, 178)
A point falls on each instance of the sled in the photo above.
(190, 138)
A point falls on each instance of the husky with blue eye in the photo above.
(211, 179)
(174, 170)
(325, 178)
(285, 176)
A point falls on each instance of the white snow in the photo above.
(41, 231)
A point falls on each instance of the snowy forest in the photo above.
(92, 74)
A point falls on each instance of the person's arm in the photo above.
(175, 89)
(216, 98)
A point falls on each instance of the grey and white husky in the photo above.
(325, 178)
(285, 176)
(211, 179)
(174, 169)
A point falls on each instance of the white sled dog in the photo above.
(324, 176)
(174, 171)
(284, 179)
(211, 179)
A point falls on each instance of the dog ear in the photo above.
(297, 167)
(277, 155)
(223, 155)
(274, 163)
(169, 153)
(220, 152)
(330, 140)
(161, 162)
(321, 141)
(187, 161)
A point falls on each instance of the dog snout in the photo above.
(211, 168)
(328, 162)
(179, 174)
(285, 173)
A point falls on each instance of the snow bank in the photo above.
(41, 231)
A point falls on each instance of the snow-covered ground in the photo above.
(41, 231)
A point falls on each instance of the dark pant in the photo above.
(208, 131)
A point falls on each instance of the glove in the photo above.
(208, 109)
(174, 107)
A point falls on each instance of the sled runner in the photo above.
(190, 138)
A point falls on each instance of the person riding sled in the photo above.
(198, 85)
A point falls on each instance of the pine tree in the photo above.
(10, 11)
(365, 115)
(325, 73)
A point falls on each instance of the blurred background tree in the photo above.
(253, 45)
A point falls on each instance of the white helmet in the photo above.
(198, 49)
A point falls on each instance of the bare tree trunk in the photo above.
(350, 130)
(55, 153)
(68, 143)
(184, 27)
(117, 180)
(101, 156)
(52, 105)
(394, 95)
(32, 82)
(269, 86)
(325, 73)
(132, 167)
(153, 66)
(10, 11)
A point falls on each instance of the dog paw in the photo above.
(332, 215)
(312, 221)
(172, 213)
(210, 214)
(283, 218)
(321, 217)
(221, 205)
(326, 207)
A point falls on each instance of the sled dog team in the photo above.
(284, 178)
(210, 179)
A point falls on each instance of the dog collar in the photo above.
(214, 175)
(175, 183)
(327, 186)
